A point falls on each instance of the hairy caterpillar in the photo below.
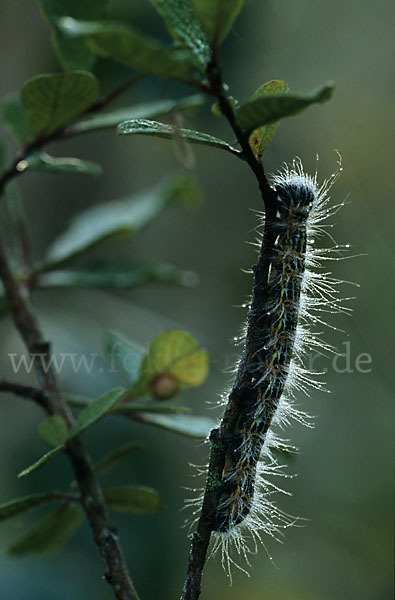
(289, 292)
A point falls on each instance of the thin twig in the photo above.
(66, 132)
(48, 395)
(91, 495)
(25, 391)
(201, 538)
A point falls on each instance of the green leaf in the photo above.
(217, 16)
(154, 128)
(178, 354)
(123, 354)
(274, 107)
(193, 426)
(113, 458)
(72, 53)
(42, 461)
(120, 219)
(129, 47)
(51, 533)
(121, 277)
(18, 506)
(186, 28)
(41, 161)
(261, 138)
(95, 411)
(16, 118)
(53, 431)
(54, 100)
(135, 499)
(147, 110)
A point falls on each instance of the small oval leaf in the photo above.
(174, 353)
(274, 107)
(54, 100)
(135, 499)
(177, 353)
(53, 431)
(261, 138)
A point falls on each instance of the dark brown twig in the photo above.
(25, 391)
(91, 495)
(49, 398)
(201, 537)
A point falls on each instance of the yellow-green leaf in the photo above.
(177, 353)
(261, 137)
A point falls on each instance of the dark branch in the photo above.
(48, 395)
(201, 537)
(25, 391)
(91, 495)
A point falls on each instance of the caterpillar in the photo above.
(289, 293)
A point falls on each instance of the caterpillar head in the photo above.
(296, 194)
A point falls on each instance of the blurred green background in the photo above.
(344, 486)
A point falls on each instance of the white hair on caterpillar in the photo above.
(299, 291)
